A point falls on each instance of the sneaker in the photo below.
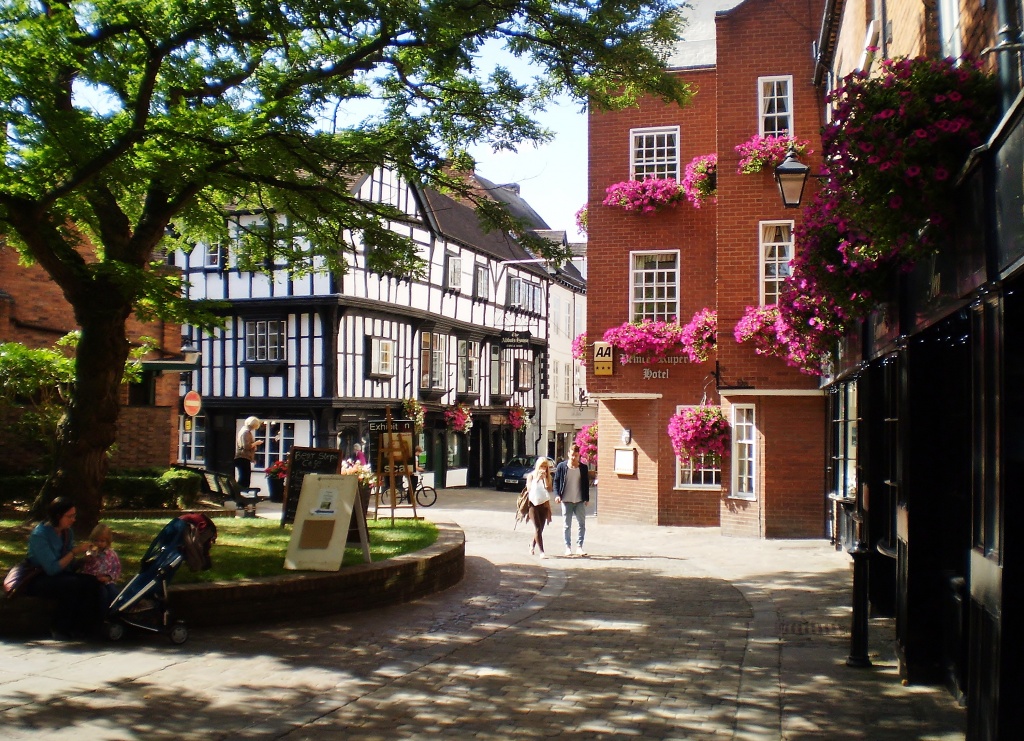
(568, 551)
(543, 554)
(581, 552)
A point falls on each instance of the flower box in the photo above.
(644, 196)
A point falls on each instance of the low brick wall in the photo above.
(292, 596)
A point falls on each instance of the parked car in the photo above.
(513, 474)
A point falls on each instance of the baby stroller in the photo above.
(143, 601)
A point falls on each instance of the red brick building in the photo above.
(724, 256)
(34, 312)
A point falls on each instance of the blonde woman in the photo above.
(538, 487)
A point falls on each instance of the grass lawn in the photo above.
(244, 547)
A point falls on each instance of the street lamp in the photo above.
(791, 176)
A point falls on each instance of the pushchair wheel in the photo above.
(113, 631)
(179, 633)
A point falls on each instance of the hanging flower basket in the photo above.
(700, 180)
(699, 336)
(698, 431)
(644, 196)
(517, 417)
(759, 325)
(581, 219)
(766, 152)
(579, 348)
(653, 340)
(414, 410)
(586, 438)
(459, 418)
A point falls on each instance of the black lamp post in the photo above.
(791, 176)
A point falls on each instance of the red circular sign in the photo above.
(193, 403)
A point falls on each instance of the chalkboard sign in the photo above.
(300, 462)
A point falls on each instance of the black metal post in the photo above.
(859, 630)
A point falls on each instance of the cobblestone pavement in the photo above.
(660, 633)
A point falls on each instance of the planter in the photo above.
(275, 486)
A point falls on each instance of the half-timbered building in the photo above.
(318, 356)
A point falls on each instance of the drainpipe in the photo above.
(1008, 49)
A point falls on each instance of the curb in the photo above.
(293, 596)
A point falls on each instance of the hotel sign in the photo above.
(515, 340)
(603, 365)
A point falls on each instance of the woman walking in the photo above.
(538, 486)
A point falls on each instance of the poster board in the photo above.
(393, 445)
(326, 506)
(301, 462)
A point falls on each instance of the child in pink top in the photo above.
(102, 562)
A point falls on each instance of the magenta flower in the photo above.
(698, 431)
(762, 152)
(644, 196)
(700, 180)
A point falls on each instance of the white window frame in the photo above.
(213, 256)
(744, 453)
(382, 356)
(432, 360)
(763, 101)
(453, 272)
(555, 376)
(556, 308)
(469, 367)
(653, 282)
(702, 467)
(279, 437)
(481, 281)
(568, 320)
(499, 371)
(772, 263)
(567, 384)
(654, 152)
(524, 374)
(265, 340)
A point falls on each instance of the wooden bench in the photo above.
(220, 488)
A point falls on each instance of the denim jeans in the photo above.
(579, 510)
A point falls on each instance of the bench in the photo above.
(220, 488)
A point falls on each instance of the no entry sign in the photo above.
(193, 403)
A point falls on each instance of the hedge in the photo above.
(151, 489)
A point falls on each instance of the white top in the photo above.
(537, 492)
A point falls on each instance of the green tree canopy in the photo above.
(130, 120)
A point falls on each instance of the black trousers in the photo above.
(243, 472)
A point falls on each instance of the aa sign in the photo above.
(603, 365)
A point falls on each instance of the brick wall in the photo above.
(719, 262)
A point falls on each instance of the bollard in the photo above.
(859, 630)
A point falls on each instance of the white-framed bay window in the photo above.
(654, 152)
(654, 285)
(776, 256)
(775, 105)
(469, 367)
(744, 452)
(265, 340)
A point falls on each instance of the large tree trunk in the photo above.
(89, 428)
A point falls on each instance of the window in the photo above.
(499, 371)
(432, 352)
(264, 340)
(567, 384)
(525, 295)
(699, 472)
(655, 153)
(192, 439)
(775, 98)
(524, 375)
(555, 368)
(568, 321)
(278, 438)
(481, 282)
(469, 367)
(655, 285)
(743, 452)
(776, 255)
(214, 255)
(844, 442)
(382, 357)
(556, 309)
(453, 273)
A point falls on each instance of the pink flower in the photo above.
(698, 431)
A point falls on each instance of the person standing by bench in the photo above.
(51, 546)
(245, 451)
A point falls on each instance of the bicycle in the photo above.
(426, 496)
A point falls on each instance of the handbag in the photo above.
(522, 506)
(19, 577)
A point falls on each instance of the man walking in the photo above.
(572, 490)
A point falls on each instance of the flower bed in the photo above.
(644, 196)
(698, 431)
(653, 340)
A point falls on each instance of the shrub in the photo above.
(181, 487)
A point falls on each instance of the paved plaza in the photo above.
(660, 633)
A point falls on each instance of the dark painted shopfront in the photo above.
(926, 452)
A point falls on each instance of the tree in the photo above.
(134, 124)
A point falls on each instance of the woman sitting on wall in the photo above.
(79, 597)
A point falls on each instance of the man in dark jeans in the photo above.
(572, 490)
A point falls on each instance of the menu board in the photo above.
(302, 461)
